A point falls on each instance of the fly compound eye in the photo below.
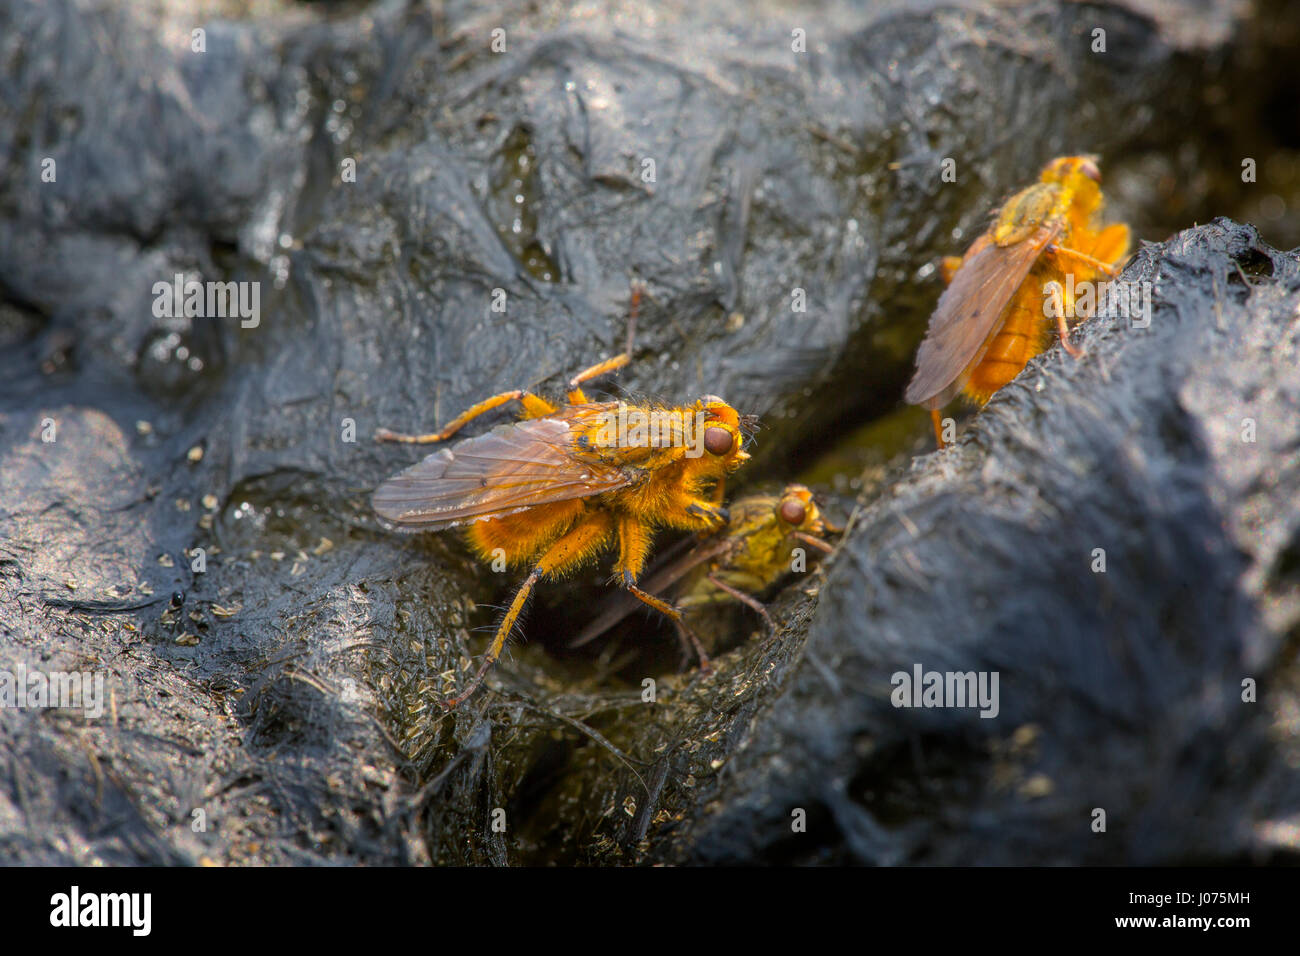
(1089, 169)
(793, 511)
(718, 441)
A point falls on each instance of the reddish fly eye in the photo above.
(793, 512)
(718, 441)
(1089, 169)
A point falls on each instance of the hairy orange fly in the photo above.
(741, 562)
(567, 481)
(991, 319)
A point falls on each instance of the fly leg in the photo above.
(1063, 331)
(823, 546)
(534, 407)
(710, 515)
(691, 643)
(1062, 327)
(1082, 258)
(746, 599)
(575, 546)
(1110, 245)
(633, 546)
(938, 428)
(576, 395)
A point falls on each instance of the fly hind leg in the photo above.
(578, 544)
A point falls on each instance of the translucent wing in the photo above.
(510, 468)
(967, 316)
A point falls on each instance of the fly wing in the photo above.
(507, 469)
(967, 315)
